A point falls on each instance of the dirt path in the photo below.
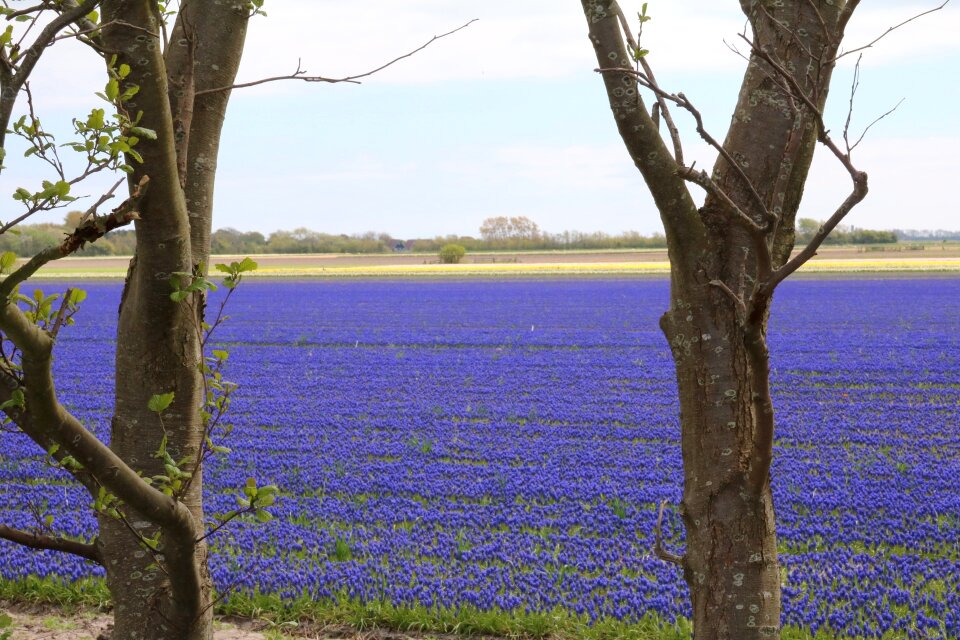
(45, 622)
(35, 623)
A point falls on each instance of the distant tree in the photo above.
(495, 229)
(727, 257)
(503, 232)
(452, 253)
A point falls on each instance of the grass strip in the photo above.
(303, 614)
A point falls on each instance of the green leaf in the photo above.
(247, 265)
(162, 450)
(266, 501)
(142, 132)
(76, 295)
(160, 401)
(220, 354)
(264, 516)
(179, 296)
(96, 119)
(123, 70)
(7, 260)
(112, 90)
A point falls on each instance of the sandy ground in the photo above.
(45, 622)
(35, 623)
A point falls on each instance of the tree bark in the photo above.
(724, 261)
(157, 352)
(158, 346)
(218, 31)
(730, 563)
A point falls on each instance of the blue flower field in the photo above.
(504, 445)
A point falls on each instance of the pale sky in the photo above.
(507, 117)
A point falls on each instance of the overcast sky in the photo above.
(507, 116)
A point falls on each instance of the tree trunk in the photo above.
(726, 259)
(158, 346)
(157, 352)
(730, 564)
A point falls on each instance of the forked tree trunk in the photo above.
(726, 259)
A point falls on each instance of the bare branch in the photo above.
(870, 126)
(658, 548)
(854, 85)
(32, 54)
(888, 31)
(42, 542)
(43, 6)
(856, 196)
(737, 301)
(92, 210)
(300, 74)
(682, 101)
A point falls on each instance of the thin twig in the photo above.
(737, 300)
(875, 121)
(300, 74)
(889, 31)
(658, 548)
(661, 104)
(854, 85)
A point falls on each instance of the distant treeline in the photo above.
(807, 227)
(496, 234)
(927, 235)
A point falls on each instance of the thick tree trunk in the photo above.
(730, 562)
(158, 346)
(158, 351)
